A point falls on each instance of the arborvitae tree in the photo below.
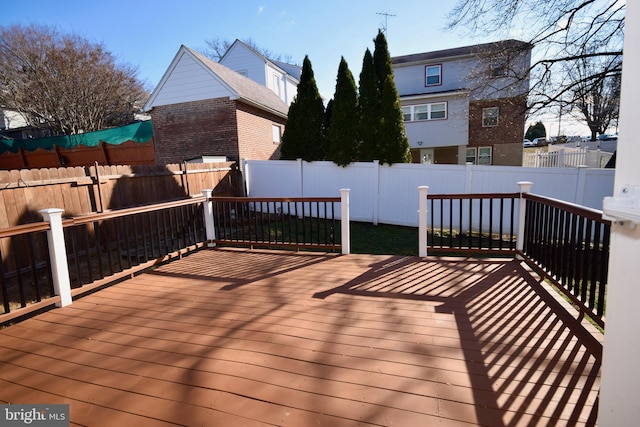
(344, 124)
(382, 60)
(369, 109)
(392, 142)
(303, 136)
(396, 148)
(327, 123)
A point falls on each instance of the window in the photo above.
(490, 116)
(438, 111)
(275, 130)
(433, 75)
(421, 112)
(276, 84)
(499, 67)
(484, 155)
(435, 111)
(471, 155)
(406, 113)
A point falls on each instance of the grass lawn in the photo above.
(383, 239)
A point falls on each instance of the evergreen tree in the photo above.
(369, 109)
(327, 123)
(344, 124)
(391, 139)
(536, 130)
(382, 60)
(396, 148)
(303, 135)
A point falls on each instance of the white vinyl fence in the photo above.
(389, 195)
(565, 157)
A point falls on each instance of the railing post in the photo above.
(525, 187)
(422, 220)
(344, 221)
(209, 224)
(58, 255)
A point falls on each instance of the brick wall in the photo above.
(192, 129)
(510, 129)
(255, 133)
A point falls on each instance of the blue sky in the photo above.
(147, 33)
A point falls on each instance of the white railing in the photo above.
(566, 157)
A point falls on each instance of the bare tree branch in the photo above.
(64, 82)
(564, 33)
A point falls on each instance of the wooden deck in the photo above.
(241, 338)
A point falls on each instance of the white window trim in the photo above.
(497, 117)
(504, 66)
(412, 113)
(426, 75)
(476, 155)
(276, 133)
(490, 155)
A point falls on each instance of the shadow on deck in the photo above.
(230, 337)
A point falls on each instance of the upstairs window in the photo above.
(490, 117)
(435, 111)
(421, 112)
(499, 67)
(276, 84)
(433, 75)
(438, 111)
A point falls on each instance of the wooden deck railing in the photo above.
(565, 243)
(569, 245)
(301, 223)
(98, 249)
(25, 273)
(472, 223)
(40, 268)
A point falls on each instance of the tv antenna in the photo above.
(386, 20)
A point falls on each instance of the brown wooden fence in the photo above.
(129, 153)
(83, 190)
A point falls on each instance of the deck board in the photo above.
(244, 338)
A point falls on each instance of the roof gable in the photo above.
(291, 70)
(192, 77)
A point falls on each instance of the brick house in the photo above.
(203, 108)
(466, 104)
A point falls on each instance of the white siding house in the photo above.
(465, 104)
(280, 77)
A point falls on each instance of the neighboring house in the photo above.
(465, 104)
(15, 126)
(280, 77)
(203, 108)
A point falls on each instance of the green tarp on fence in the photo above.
(138, 132)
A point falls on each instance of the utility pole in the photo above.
(386, 21)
